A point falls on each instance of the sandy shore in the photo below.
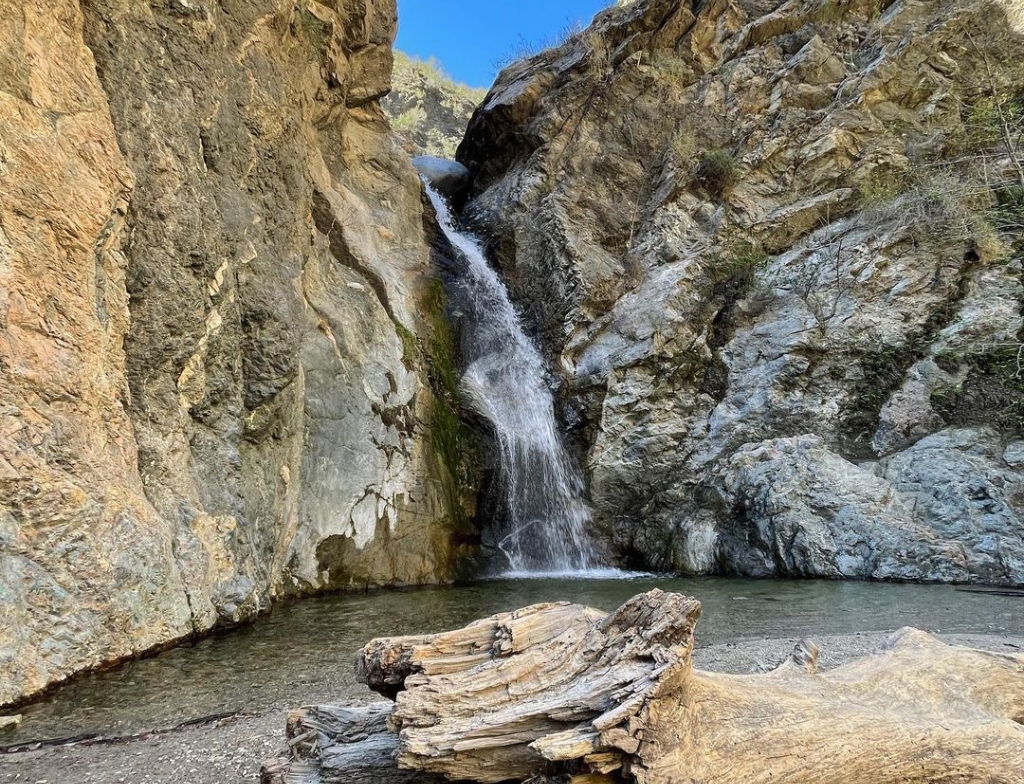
(230, 751)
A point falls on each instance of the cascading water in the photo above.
(504, 381)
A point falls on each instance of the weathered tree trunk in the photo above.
(335, 744)
(560, 689)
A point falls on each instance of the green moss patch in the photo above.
(992, 393)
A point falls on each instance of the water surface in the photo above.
(303, 652)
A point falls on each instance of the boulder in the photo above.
(944, 510)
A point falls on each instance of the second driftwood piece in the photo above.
(563, 690)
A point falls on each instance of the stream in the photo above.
(304, 651)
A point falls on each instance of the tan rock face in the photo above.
(217, 318)
(738, 222)
(87, 571)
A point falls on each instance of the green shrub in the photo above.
(737, 261)
(880, 189)
(946, 205)
(410, 120)
(1008, 212)
(682, 146)
(984, 120)
(315, 31)
(414, 73)
(526, 48)
(717, 172)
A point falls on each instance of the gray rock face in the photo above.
(957, 483)
(449, 178)
(946, 509)
(802, 510)
(746, 234)
(219, 324)
(1014, 454)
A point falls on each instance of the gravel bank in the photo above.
(230, 751)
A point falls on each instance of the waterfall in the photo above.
(504, 381)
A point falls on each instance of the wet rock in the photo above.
(449, 178)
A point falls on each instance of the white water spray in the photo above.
(504, 381)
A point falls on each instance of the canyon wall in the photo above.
(224, 358)
(773, 251)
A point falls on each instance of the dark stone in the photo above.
(449, 178)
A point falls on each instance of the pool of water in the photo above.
(303, 652)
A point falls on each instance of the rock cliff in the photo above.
(773, 250)
(223, 348)
(428, 109)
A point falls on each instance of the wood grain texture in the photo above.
(560, 690)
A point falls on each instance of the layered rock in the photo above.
(222, 345)
(774, 251)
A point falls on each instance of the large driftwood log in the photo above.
(563, 690)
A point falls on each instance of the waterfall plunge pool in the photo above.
(303, 652)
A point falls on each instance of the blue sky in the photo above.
(469, 36)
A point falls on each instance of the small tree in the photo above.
(822, 280)
(1001, 115)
